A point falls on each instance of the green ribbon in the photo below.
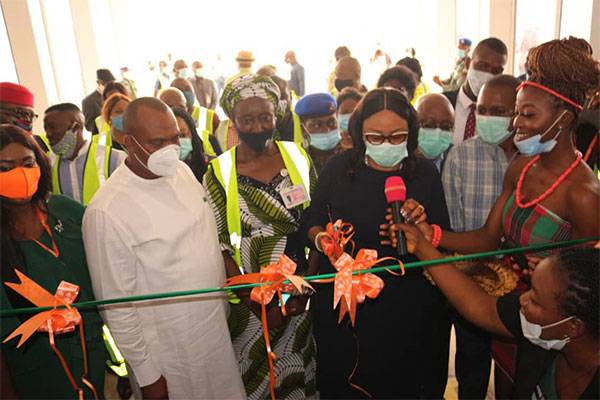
(418, 264)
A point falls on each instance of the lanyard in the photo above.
(43, 220)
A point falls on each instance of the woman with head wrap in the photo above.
(259, 190)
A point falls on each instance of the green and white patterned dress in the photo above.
(268, 230)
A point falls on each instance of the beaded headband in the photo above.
(548, 90)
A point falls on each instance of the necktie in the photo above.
(470, 125)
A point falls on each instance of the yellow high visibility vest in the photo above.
(203, 117)
(296, 162)
(104, 134)
(206, 146)
(222, 134)
(91, 175)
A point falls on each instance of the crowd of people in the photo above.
(136, 195)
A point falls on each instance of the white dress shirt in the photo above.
(461, 113)
(159, 235)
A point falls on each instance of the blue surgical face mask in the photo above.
(461, 53)
(117, 122)
(343, 121)
(325, 141)
(533, 145)
(189, 97)
(182, 73)
(434, 141)
(185, 148)
(492, 129)
(386, 154)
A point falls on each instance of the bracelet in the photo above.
(437, 235)
(317, 246)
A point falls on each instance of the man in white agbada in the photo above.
(150, 229)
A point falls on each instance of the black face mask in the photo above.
(256, 141)
(342, 83)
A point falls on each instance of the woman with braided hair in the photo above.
(555, 323)
(549, 194)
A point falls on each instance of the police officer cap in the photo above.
(316, 105)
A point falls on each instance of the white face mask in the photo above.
(163, 162)
(477, 79)
(533, 333)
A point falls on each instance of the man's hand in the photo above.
(156, 390)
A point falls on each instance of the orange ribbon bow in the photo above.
(339, 233)
(350, 290)
(272, 276)
(53, 321)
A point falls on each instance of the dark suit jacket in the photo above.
(452, 96)
(91, 107)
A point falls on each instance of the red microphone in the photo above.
(395, 194)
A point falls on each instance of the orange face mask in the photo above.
(19, 183)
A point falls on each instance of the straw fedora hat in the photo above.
(244, 55)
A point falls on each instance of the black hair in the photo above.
(375, 101)
(114, 87)
(196, 161)
(10, 253)
(401, 74)
(494, 44)
(348, 93)
(413, 64)
(581, 293)
(63, 107)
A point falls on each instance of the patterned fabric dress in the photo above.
(524, 227)
(268, 230)
(533, 225)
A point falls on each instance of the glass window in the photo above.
(535, 24)
(63, 50)
(8, 72)
(576, 18)
(473, 19)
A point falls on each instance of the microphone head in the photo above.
(395, 189)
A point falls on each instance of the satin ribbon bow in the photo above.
(349, 289)
(55, 321)
(272, 276)
(339, 233)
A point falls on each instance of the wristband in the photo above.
(317, 245)
(437, 235)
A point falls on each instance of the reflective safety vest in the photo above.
(203, 117)
(206, 145)
(115, 361)
(222, 134)
(297, 164)
(104, 135)
(92, 178)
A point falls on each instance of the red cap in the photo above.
(15, 94)
(395, 189)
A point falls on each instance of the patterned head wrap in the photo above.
(248, 86)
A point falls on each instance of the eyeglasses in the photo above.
(20, 113)
(445, 126)
(378, 138)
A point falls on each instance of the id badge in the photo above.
(294, 195)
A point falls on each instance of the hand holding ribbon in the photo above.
(54, 321)
(272, 276)
(338, 234)
(349, 289)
